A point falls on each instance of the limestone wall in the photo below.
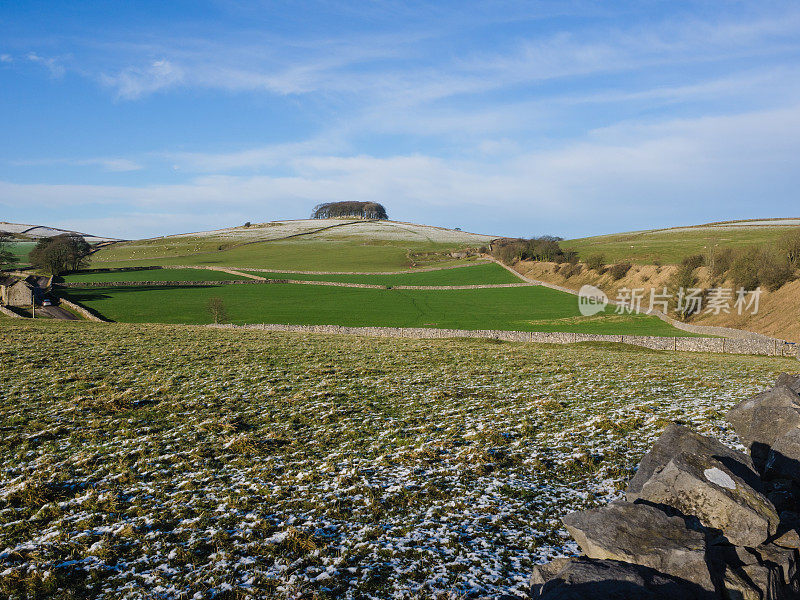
(9, 313)
(764, 347)
(86, 314)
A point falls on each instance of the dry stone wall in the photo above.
(699, 520)
(86, 314)
(9, 313)
(764, 347)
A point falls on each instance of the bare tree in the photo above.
(216, 308)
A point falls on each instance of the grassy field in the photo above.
(153, 275)
(671, 246)
(189, 462)
(523, 309)
(21, 250)
(477, 274)
(301, 254)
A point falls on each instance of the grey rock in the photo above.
(761, 420)
(783, 459)
(642, 534)
(706, 488)
(545, 572)
(585, 578)
(788, 535)
(792, 381)
(767, 572)
(677, 439)
(788, 539)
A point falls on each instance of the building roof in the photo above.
(10, 280)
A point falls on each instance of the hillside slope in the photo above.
(36, 232)
(778, 314)
(670, 246)
(308, 244)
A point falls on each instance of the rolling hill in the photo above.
(670, 246)
(308, 244)
(24, 231)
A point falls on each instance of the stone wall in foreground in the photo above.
(86, 314)
(760, 346)
(9, 313)
(699, 520)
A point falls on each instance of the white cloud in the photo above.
(113, 164)
(52, 64)
(618, 178)
(132, 82)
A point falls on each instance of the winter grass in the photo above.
(183, 462)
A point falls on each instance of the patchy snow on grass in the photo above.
(292, 466)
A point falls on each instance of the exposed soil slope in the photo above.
(778, 315)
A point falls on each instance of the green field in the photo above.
(237, 464)
(479, 274)
(21, 250)
(516, 309)
(670, 247)
(297, 254)
(153, 275)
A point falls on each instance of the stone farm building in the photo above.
(15, 291)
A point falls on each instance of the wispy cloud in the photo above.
(643, 167)
(607, 119)
(135, 82)
(113, 164)
(52, 64)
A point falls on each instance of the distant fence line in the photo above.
(763, 347)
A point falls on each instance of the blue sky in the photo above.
(135, 119)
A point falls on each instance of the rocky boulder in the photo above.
(766, 417)
(702, 486)
(765, 572)
(792, 381)
(642, 534)
(677, 439)
(783, 460)
(586, 578)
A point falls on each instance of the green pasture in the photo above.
(21, 250)
(153, 275)
(670, 246)
(302, 254)
(524, 309)
(478, 274)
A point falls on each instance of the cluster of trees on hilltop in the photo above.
(61, 253)
(358, 210)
